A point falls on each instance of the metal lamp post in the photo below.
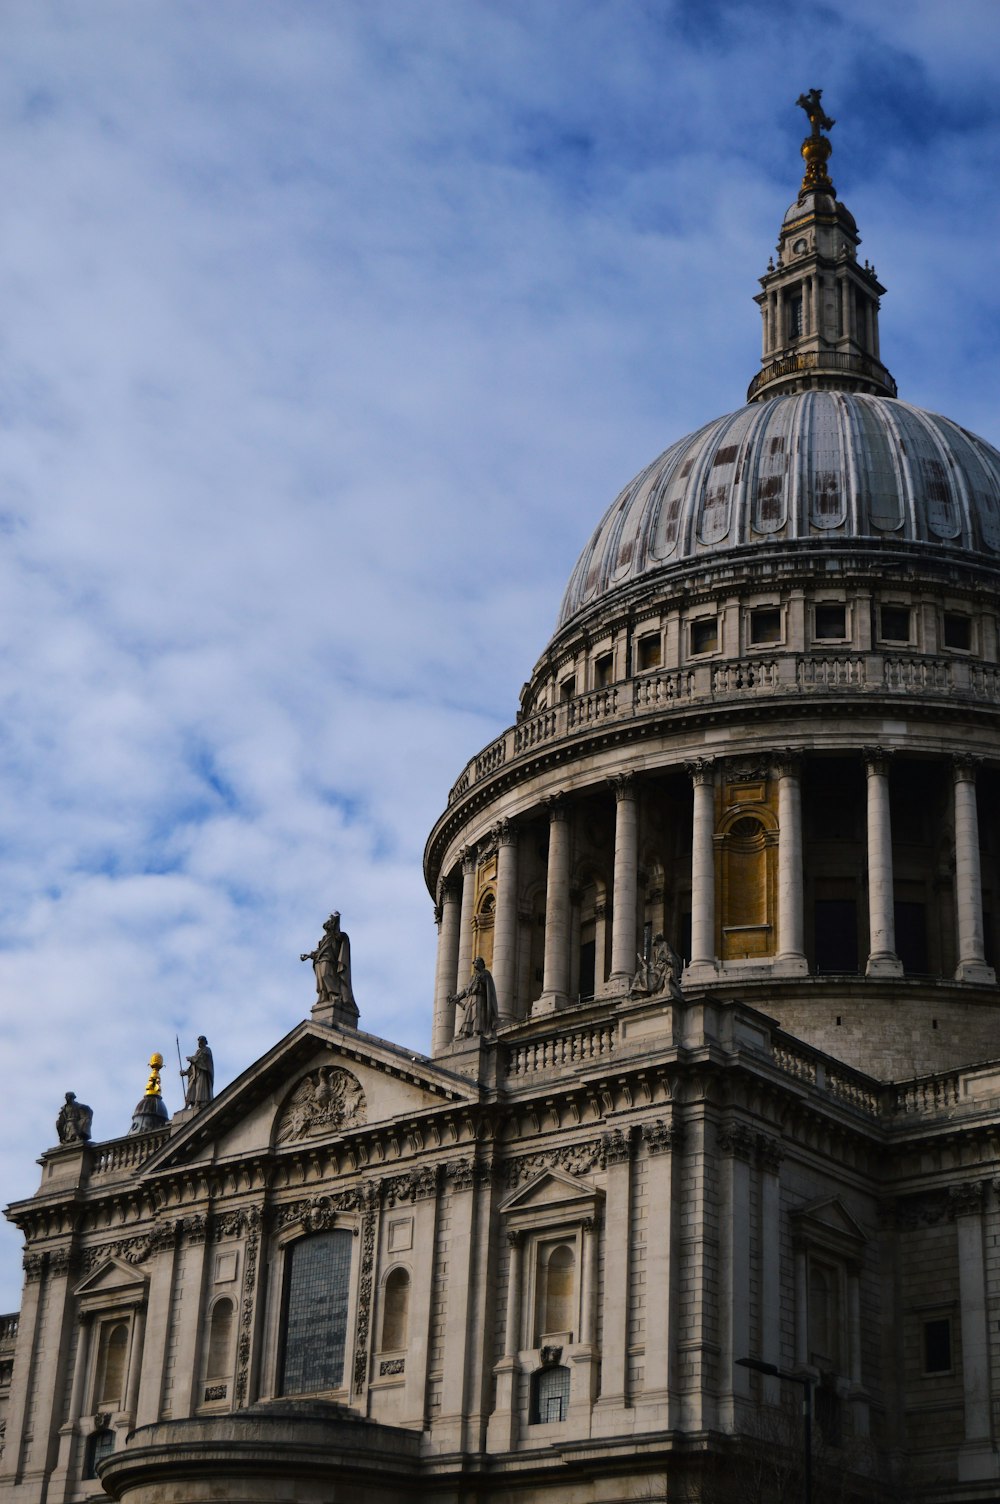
(759, 1366)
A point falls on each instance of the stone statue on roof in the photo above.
(74, 1120)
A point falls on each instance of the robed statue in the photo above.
(479, 1000)
(200, 1076)
(661, 972)
(332, 964)
(74, 1120)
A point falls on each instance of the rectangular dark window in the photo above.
(836, 934)
(894, 623)
(957, 631)
(705, 635)
(795, 317)
(765, 624)
(937, 1345)
(317, 1288)
(603, 670)
(588, 967)
(831, 621)
(650, 652)
(911, 937)
(567, 689)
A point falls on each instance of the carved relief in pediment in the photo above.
(324, 1102)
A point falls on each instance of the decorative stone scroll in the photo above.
(326, 1101)
(248, 1302)
(370, 1202)
(577, 1159)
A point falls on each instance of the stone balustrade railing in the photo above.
(929, 1094)
(796, 675)
(557, 1051)
(120, 1154)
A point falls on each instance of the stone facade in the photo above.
(528, 1266)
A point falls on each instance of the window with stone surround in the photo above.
(220, 1346)
(603, 670)
(549, 1395)
(705, 635)
(830, 621)
(649, 652)
(936, 1347)
(317, 1292)
(894, 623)
(957, 631)
(395, 1309)
(112, 1356)
(555, 1292)
(100, 1444)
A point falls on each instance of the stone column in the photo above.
(447, 916)
(659, 1138)
(882, 958)
(623, 904)
(614, 1366)
(790, 959)
(503, 1423)
(972, 965)
(976, 1457)
(736, 1145)
(703, 962)
(505, 923)
(465, 935)
(555, 984)
(770, 1154)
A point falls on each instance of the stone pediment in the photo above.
(113, 1282)
(551, 1191)
(829, 1222)
(319, 1083)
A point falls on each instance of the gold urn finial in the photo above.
(155, 1066)
(816, 148)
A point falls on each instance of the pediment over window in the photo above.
(552, 1196)
(112, 1283)
(828, 1224)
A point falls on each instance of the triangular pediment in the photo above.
(829, 1220)
(318, 1084)
(112, 1279)
(550, 1189)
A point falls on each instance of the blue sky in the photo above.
(327, 333)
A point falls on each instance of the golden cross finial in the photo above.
(816, 148)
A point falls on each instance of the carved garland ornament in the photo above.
(370, 1201)
(249, 1299)
(326, 1101)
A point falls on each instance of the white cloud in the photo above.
(327, 335)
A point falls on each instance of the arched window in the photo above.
(556, 1289)
(395, 1310)
(111, 1354)
(549, 1395)
(99, 1445)
(220, 1340)
(317, 1288)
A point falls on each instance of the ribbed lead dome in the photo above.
(811, 465)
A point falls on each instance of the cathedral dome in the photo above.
(797, 468)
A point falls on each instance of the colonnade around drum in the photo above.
(780, 829)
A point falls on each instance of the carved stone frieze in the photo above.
(390, 1366)
(34, 1266)
(616, 1146)
(912, 1212)
(368, 1227)
(575, 1159)
(326, 1101)
(415, 1185)
(659, 1137)
(967, 1198)
(244, 1344)
(737, 1140)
